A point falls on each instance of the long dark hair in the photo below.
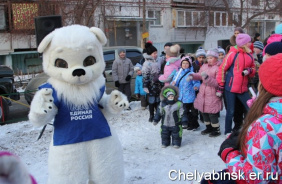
(254, 113)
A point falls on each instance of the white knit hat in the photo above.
(137, 67)
(213, 53)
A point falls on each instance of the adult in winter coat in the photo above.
(169, 112)
(151, 84)
(172, 64)
(206, 101)
(239, 110)
(233, 76)
(256, 152)
(187, 94)
(122, 71)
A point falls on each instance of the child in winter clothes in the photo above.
(197, 64)
(221, 54)
(200, 59)
(256, 151)
(169, 112)
(151, 84)
(187, 93)
(172, 64)
(258, 48)
(139, 92)
(207, 102)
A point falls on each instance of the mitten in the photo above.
(219, 91)
(251, 102)
(247, 71)
(146, 90)
(189, 78)
(13, 170)
(229, 145)
(117, 84)
(204, 75)
(127, 78)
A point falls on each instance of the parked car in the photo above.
(110, 54)
(7, 90)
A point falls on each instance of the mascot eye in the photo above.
(90, 60)
(60, 63)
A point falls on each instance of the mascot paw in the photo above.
(43, 101)
(118, 101)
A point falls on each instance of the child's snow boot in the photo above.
(208, 129)
(215, 131)
(151, 110)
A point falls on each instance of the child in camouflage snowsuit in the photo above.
(170, 112)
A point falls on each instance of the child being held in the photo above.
(139, 92)
(170, 112)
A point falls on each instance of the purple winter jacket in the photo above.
(206, 100)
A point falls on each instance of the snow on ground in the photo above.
(144, 159)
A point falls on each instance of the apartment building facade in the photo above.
(191, 23)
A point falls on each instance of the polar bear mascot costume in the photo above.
(84, 148)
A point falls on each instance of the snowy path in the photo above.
(145, 161)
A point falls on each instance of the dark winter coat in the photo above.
(150, 73)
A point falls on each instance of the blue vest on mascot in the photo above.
(78, 125)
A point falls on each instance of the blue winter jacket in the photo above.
(139, 85)
(187, 93)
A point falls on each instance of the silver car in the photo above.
(110, 54)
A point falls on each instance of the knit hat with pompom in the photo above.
(173, 51)
(200, 52)
(149, 48)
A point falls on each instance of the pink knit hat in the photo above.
(242, 39)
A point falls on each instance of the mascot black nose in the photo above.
(78, 72)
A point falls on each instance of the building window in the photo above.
(2, 18)
(156, 15)
(190, 19)
(221, 19)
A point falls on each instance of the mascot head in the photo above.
(74, 54)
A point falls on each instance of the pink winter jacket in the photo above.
(207, 101)
(170, 69)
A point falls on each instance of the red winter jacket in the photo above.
(230, 71)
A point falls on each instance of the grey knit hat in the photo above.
(259, 45)
(121, 50)
(201, 52)
(221, 50)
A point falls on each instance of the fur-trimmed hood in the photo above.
(174, 88)
(232, 40)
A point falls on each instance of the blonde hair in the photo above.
(246, 49)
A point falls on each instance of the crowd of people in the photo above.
(183, 89)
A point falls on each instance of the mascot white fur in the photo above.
(84, 147)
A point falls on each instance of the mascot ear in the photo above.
(45, 42)
(99, 34)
